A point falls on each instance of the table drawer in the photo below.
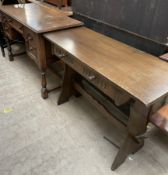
(16, 25)
(103, 84)
(92, 76)
(9, 21)
(31, 44)
(4, 18)
(9, 32)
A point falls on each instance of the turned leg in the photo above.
(9, 49)
(67, 86)
(137, 125)
(44, 91)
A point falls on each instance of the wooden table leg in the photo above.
(129, 146)
(42, 57)
(9, 49)
(67, 87)
(44, 91)
(3, 51)
(137, 125)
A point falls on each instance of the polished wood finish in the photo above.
(45, 20)
(138, 74)
(69, 75)
(160, 118)
(65, 10)
(120, 72)
(31, 21)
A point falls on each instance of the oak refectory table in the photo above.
(32, 21)
(125, 75)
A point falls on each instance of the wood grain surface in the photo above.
(38, 18)
(141, 75)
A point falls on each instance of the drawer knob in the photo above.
(31, 48)
(60, 55)
(21, 28)
(91, 77)
(29, 38)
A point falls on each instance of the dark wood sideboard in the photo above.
(20, 19)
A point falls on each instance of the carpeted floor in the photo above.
(37, 137)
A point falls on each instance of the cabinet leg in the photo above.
(3, 51)
(44, 91)
(11, 58)
(67, 87)
(137, 125)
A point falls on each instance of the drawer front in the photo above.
(11, 23)
(4, 18)
(31, 44)
(104, 85)
(92, 76)
(11, 34)
(8, 27)
(17, 26)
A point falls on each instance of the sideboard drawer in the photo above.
(10, 23)
(9, 32)
(31, 44)
(16, 25)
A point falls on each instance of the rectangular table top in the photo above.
(66, 11)
(143, 76)
(39, 18)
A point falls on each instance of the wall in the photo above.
(141, 23)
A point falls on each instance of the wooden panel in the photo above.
(9, 32)
(144, 17)
(16, 25)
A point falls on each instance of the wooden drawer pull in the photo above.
(60, 55)
(21, 28)
(29, 38)
(9, 20)
(31, 48)
(91, 77)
